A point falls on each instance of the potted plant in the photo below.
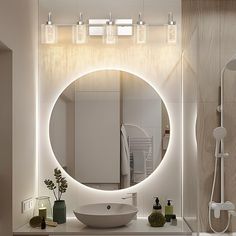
(58, 188)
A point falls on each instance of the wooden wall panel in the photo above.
(216, 38)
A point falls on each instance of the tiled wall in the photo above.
(213, 21)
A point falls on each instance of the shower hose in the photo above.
(209, 208)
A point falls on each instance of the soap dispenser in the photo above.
(169, 211)
(156, 219)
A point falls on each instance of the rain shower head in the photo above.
(231, 65)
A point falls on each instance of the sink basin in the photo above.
(106, 215)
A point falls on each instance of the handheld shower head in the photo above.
(231, 65)
(219, 133)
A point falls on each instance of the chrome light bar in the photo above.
(96, 27)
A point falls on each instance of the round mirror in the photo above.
(109, 130)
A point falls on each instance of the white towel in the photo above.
(125, 158)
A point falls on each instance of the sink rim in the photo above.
(97, 215)
(132, 209)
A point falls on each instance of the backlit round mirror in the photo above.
(109, 130)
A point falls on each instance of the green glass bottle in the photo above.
(156, 219)
(169, 211)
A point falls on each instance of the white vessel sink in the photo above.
(106, 215)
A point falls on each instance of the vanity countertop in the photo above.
(135, 227)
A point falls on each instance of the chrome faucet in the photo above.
(134, 201)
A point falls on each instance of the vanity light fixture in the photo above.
(171, 29)
(110, 32)
(79, 31)
(141, 31)
(49, 31)
(109, 29)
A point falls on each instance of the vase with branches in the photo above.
(59, 187)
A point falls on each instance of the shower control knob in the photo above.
(217, 207)
(217, 213)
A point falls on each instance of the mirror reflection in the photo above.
(109, 130)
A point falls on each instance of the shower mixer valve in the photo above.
(224, 206)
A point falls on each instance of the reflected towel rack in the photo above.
(145, 145)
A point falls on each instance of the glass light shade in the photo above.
(110, 34)
(171, 29)
(43, 207)
(79, 33)
(141, 33)
(48, 34)
(171, 34)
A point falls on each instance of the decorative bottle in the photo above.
(156, 219)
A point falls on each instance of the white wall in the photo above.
(6, 140)
(58, 131)
(97, 128)
(157, 63)
(97, 156)
(18, 30)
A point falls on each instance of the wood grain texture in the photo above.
(206, 122)
(230, 147)
(209, 50)
(189, 20)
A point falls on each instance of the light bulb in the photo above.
(141, 31)
(110, 32)
(171, 30)
(48, 32)
(79, 31)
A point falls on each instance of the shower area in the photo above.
(208, 41)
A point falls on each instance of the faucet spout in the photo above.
(134, 200)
